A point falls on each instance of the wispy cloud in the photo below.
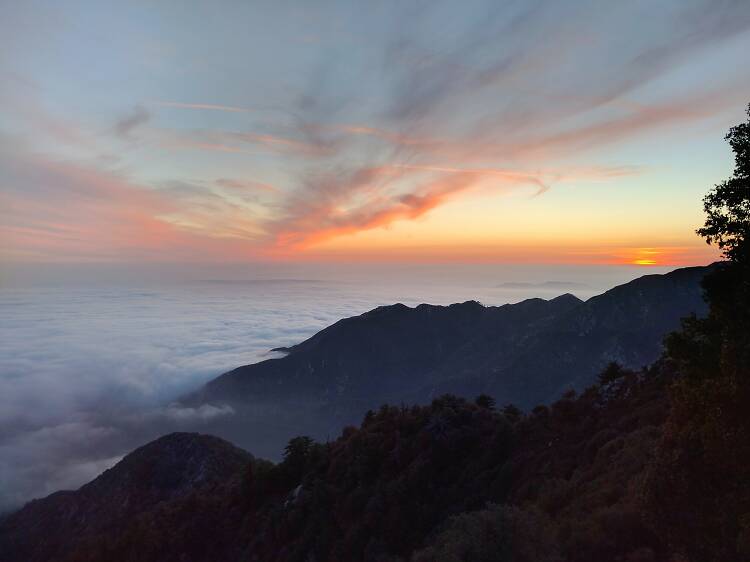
(53, 209)
(246, 185)
(206, 106)
(400, 116)
(524, 86)
(125, 126)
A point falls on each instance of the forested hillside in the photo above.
(417, 483)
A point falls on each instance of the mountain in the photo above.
(526, 353)
(588, 477)
(172, 469)
(453, 480)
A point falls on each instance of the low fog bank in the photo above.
(92, 359)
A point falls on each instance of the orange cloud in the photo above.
(376, 197)
(363, 204)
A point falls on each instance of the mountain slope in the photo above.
(525, 353)
(409, 484)
(168, 470)
(625, 324)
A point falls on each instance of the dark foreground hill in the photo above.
(174, 469)
(451, 481)
(526, 354)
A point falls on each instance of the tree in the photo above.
(298, 449)
(512, 413)
(611, 373)
(485, 401)
(298, 455)
(696, 491)
(727, 205)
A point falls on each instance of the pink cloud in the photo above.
(59, 210)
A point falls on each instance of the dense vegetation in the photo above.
(644, 466)
(430, 483)
(698, 491)
(455, 480)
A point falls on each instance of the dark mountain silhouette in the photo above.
(526, 353)
(170, 469)
(580, 480)
(454, 480)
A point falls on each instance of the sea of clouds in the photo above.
(89, 371)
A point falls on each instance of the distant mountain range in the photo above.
(526, 354)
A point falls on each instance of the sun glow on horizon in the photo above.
(653, 256)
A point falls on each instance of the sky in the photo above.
(574, 132)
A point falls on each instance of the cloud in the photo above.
(214, 147)
(246, 185)
(54, 208)
(523, 86)
(202, 412)
(137, 117)
(237, 141)
(416, 107)
(21, 99)
(80, 389)
(208, 106)
(348, 202)
(91, 364)
(307, 225)
(386, 125)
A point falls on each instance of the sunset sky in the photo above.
(520, 132)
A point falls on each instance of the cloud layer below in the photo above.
(90, 369)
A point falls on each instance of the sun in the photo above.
(645, 256)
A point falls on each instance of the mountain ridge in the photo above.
(526, 353)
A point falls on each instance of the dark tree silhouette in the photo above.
(485, 401)
(611, 373)
(727, 205)
(697, 492)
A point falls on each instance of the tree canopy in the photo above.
(727, 205)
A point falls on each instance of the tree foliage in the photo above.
(727, 205)
(697, 494)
